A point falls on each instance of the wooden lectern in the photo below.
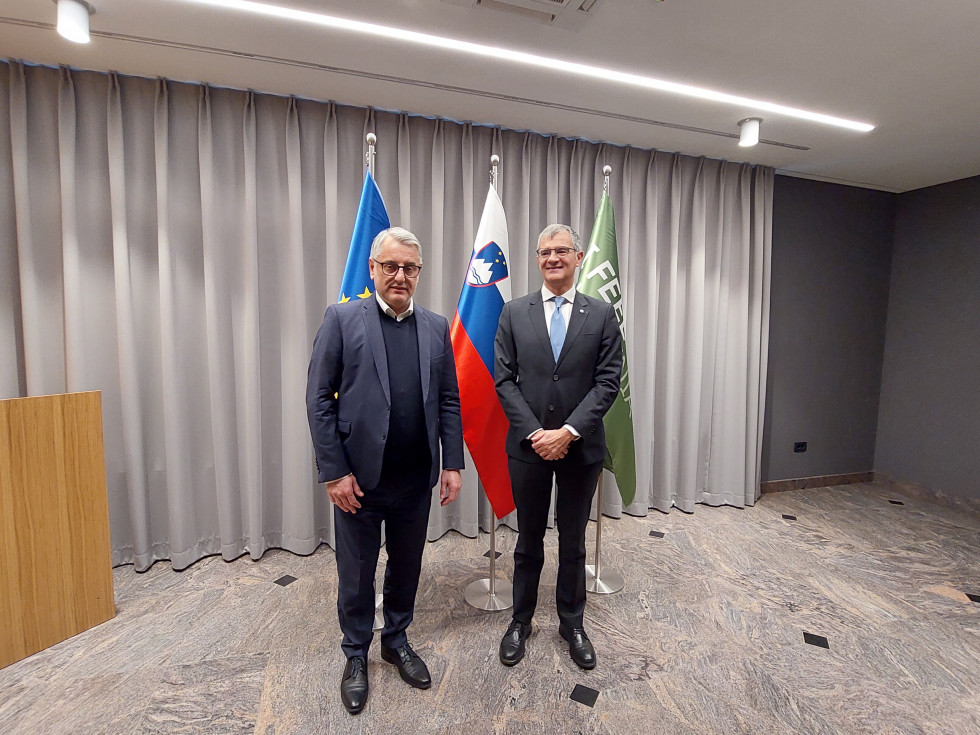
(55, 561)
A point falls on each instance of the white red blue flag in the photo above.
(486, 288)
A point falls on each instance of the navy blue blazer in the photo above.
(348, 398)
(536, 392)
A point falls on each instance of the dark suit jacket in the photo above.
(536, 393)
(350, 431)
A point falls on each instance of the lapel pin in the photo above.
(582, 310)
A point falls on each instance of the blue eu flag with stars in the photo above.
(372, 218)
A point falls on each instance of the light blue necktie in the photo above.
(557, 327)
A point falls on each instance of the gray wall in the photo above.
(831, 260)
(929, 420)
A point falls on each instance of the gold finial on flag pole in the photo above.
(606, 170)
(369, 156)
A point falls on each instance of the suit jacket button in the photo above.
(555, 377)
(551, 408)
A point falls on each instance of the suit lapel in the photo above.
(422, 331)
(580, 313)
(372, 323)
(535, 311)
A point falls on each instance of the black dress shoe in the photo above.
(354, 685)
(512, 644)
(410, 665)
(579, 646)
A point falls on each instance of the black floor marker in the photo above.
(496, 555)
(816, 640)
(896, 502)
(657, 534)
(788, 517)
(285, 579)
(975, 598)
(585, 695)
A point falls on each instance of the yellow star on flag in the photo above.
(344, 298)
(366, 294)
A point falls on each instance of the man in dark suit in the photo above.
(381, 397)
(557, 364)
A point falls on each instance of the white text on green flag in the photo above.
(600, 277)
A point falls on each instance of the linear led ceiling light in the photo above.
(520, 57)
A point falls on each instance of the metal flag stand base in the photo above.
(599, 580)
(490, 594)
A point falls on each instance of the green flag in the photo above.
(599, 277)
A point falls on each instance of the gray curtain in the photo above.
(174, 246)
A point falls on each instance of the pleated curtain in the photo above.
(175, 245)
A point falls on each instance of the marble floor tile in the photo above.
(213, 696)
(706, 637)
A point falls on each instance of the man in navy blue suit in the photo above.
(382, 398)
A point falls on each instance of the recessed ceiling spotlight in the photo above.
(543, 62)
(748, 131)
(73, 18)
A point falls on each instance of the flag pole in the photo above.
(379, 598)
(484, 594)
(371, 139)
(608, 581)
(599, 580)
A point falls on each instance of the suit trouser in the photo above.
(358, 540)
(531, 484)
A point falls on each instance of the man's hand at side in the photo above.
(344, 493)
(449, 486)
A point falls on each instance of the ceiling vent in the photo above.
(564, 13)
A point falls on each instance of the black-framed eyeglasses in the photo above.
(411, 270)
(560, 252)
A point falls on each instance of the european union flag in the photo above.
(372, 218)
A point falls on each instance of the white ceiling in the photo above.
(911, 67)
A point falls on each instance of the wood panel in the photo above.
(55, 559)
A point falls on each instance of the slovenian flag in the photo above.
(372, 218)
(485, 290)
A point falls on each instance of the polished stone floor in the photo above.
(709, 636)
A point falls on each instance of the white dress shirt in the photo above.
(549, 306)
(566, 314)
(408, 312)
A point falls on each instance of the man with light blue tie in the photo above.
(557, 364)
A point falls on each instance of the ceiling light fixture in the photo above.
(520, 57)
(73, 20)
(748, 131)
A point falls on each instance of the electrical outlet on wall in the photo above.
(799, 447)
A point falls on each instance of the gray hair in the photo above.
(551, 230)
(401, 235)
